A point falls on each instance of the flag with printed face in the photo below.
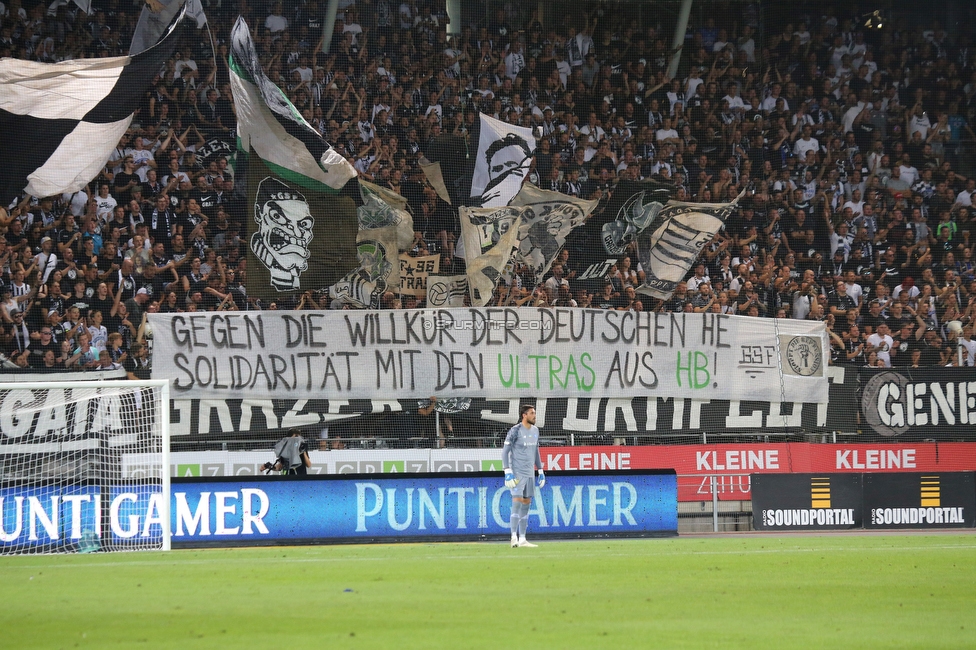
(547, 219)
(446, 290)
(60, 122)
(503, 160)
(302, 234)
(669, 247)
(378, 272)
(491, 235)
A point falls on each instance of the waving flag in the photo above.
(446, 290)
(269, 123)
(491, 235)
(384, 207)
(547, 219)
(61, 121)
(504, 156)
(604, 239)
(155, 16)
(669, 247)
(302, 234)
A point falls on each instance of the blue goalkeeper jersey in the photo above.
(521, 451)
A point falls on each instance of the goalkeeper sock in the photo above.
(515, 519)
(524, 519)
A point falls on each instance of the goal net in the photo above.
(63, 487)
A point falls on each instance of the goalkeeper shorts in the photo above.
(525, 488)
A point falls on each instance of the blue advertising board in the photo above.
(48, 518)
(253, 510)
(461, 506)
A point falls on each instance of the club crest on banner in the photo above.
(803, 355)
(284, 232)
(446, 291)
(635, 215)
(365, 286)
(375, 261)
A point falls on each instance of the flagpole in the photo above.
(679, 37)
(454, 18)
(331, 10)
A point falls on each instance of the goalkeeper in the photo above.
(520, 457)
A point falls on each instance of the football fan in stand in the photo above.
(291, 455)
(520, 458)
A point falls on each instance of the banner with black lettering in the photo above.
(476, 420)
(489, 353)
(415, 273)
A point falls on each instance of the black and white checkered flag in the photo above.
(61, 121)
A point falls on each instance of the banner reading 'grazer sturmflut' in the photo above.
(491, 353)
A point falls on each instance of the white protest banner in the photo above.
(489, 352)
(414, 272)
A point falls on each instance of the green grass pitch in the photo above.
(754, 591)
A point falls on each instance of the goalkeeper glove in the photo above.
(542, 479)
(510, 480)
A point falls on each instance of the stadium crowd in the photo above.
(853, 146)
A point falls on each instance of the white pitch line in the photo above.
(514, 555)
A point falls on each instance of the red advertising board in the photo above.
(731, 464)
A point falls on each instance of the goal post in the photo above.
(84, 466)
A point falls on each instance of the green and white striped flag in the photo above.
(269, 123)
